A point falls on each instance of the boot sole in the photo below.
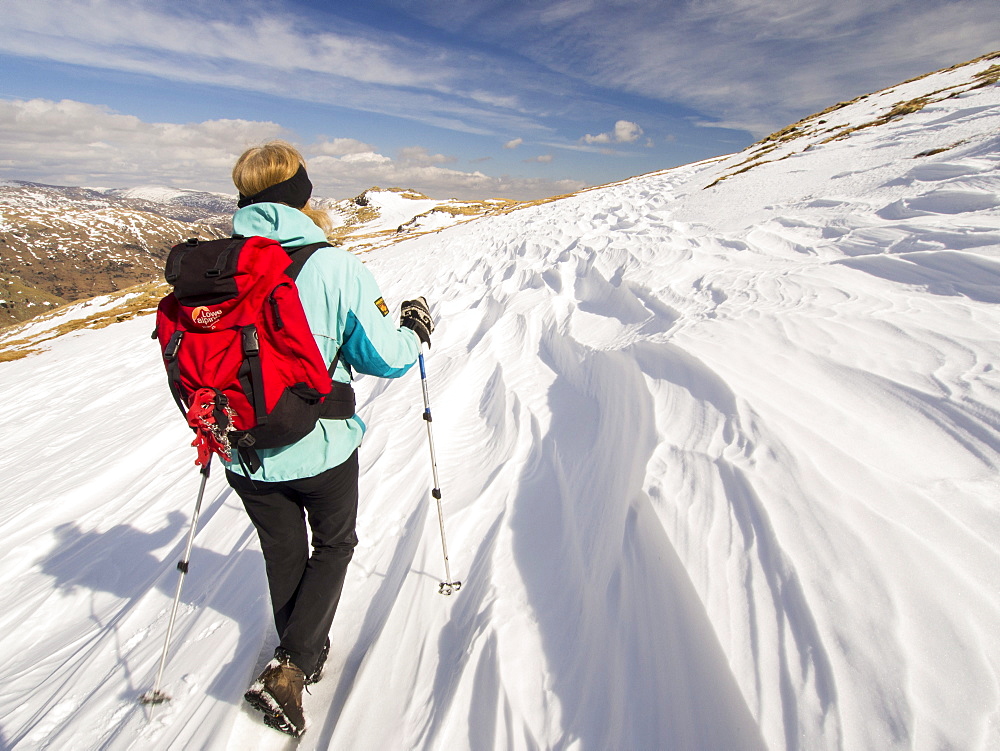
(283, 725)
(274, 717)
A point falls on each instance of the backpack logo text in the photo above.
(205, 316)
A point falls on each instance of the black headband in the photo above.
(294, 191)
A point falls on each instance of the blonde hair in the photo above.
(260, 167)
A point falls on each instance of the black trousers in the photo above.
(305, 589)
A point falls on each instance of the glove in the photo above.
(415, 315)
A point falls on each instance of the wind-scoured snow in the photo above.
(719, 467)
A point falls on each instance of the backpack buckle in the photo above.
(251, 343)
(174, 344)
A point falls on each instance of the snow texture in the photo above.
(719, 471)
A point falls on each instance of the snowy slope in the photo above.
(719, 469)
(381, 217)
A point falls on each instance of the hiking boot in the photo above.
(317, 673)
(277, 693)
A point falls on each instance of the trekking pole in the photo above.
(448, 586)
(156, 696)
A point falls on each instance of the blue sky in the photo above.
(465, 99)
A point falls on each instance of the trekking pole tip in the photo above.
(154, 697)
(446, 588)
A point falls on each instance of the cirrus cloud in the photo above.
(752, 65)
(272, 51)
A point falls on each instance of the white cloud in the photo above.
(76, 143)
(542, 159)
(513, 143)
(420, 155)
(364, 158)
(626, 132)
(623, 132)
(340, 177)
(340, 147)
(72, 143)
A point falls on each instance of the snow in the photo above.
(719, 471)
(434, 220)
(42, 326)
(395, 209)
(155, 193)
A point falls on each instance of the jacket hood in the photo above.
(286, 225)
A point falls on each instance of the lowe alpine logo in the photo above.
(205, 316)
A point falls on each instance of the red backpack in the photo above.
(241, 362)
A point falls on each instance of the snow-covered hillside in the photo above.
(60, 244)
(216, 203)
(381, 217)
(720, 471)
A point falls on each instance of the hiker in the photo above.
(317, 476)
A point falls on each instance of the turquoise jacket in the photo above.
(345, 311)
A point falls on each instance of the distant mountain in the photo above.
(185, 205)
(59, 244)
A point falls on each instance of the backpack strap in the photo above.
(300, 255)
(173, 368)
(173, 270)
(340, 404)
(249, 460)
(220, 264)
(251, 374)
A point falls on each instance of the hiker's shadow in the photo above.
(121, 561)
